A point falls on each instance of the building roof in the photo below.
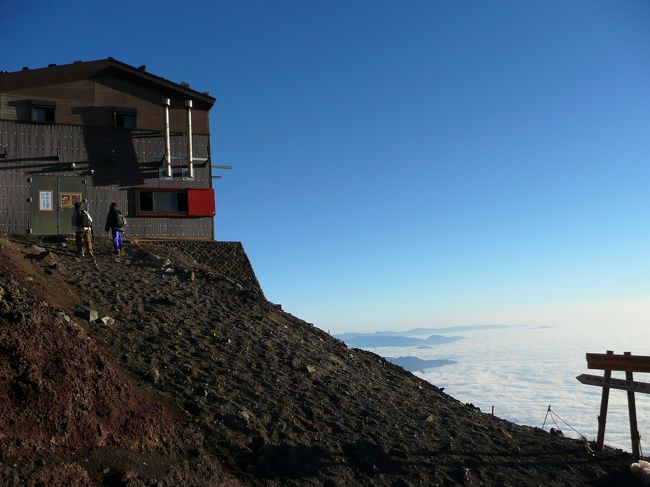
(53, 74)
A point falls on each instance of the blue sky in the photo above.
(403, 164)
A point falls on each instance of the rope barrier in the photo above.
(553, 415)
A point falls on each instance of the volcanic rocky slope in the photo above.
(194, 378)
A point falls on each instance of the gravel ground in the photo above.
(246, 390)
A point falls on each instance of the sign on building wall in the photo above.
(45, 200)
(69, 199)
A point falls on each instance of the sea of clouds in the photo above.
(521, 370)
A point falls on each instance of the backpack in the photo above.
(121, 221)
(86, 221)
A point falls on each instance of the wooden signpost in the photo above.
(626, 385)
(629, 364)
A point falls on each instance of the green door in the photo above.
(53, 199)
(44, 209)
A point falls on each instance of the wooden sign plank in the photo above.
(626, 385)
(610, 361)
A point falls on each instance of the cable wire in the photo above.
(554, 415)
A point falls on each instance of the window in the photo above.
(43, 111)
(162, 202)
(175, 202)
(146, 201)
(124, 118)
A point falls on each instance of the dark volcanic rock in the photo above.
(65, 409)
(286, 403)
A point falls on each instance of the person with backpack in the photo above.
(115, 222)
(82, 224)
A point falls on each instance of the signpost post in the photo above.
(629, 364)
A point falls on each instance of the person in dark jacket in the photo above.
(115, 223)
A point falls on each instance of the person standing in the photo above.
(82, 224)
(115, 222)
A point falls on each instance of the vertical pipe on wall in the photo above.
(190, 166)
(168, 151)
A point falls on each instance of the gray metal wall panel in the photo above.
(121, 160)
(14, 207)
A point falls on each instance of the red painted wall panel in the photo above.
(200, 202)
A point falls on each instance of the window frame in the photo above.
(200, 202)
(125, 112)
(145, 213)
(48, 106)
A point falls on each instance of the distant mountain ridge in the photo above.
(424, 331)
(415, 364)
(377, 341)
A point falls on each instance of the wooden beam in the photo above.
(627, 363)
(602, 417)
(631, 406)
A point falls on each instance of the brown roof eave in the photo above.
(160, 81)
(28, 78)
(86, 70)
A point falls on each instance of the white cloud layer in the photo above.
(520, 371)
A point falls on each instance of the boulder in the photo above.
(35, 249)
(154, 375)
(90, 314)
(49, 259)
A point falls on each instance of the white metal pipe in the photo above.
(168, 150)
(190, 166)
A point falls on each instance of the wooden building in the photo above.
(98, 132)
